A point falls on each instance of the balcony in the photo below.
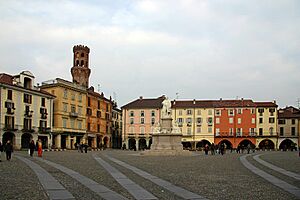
(189, 124)
(28, 113)
(73, 114)
(44, 130)
(9, 127)
(28, 130)
(199, 123)
(209, 123)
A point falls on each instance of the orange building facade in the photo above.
(235, 123)
(98, 119)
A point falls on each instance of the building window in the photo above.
(198, 112)
(239, 131)
(98, 128)
(43, 102)
(89, 112)
(152, 113)
(179, 120)
(189, 120)
(98, 114)
(217, 120)
(131, 114)
(281, 121)
(209, 112)
(43, 124)
(27, 124)
(80, 97)
(218, 113)
(64, 120)
(65, 107)
(252, 111)
(252, 131)
(73, 109)
(271, 120)
(27, 98)
(271, 130)
(142, 120)
(131, 120)
(260, 131)
(272, 110)
(231, 131)
(179, 112)
(199, 130)
(152, 121)
(239, 111)
(65, 93)
(89, 126)
(9, 94)
(239, 120)
(261, 110)
(217, 131)
(231, 120)
(293, 121)
(89, 101)
(230, 112)
(209, 120)
(189, 112)
(189, 131)
(142, 113)
(79, 124)
(142, 130)
(79, 110)
(72, 123)
(73, 96)
(209, 130)
(260, 120)
(281, 131)
(199, 120)
(253, 120)
(9, 122)
(293, 131)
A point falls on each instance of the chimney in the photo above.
(174, 102)
(274, 101)
(221, 99)
(194, 102)
(141, 97)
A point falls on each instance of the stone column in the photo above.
(147, 142)
(17, 142)
(94, 143)
(58, 141)
(137, 143)
(68, 142)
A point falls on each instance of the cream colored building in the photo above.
(26, 111)
(196, 121)
(266, 125)
(69, 125)
(288, 128)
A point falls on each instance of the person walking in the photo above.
(1, 150)
(248, 148)
(8, 150)
(206, 148)
(212, 149)
(40, 148)
(31, 148)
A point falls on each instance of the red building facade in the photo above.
(235, 123)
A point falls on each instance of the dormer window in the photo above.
(27, 83)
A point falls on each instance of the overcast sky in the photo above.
(198, 49)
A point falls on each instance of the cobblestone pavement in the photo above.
(213, 177)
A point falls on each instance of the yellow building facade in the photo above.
(266, 125)
(195, 119)
(69, 113)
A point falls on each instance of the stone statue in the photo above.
(166, 109)
(156, 128)
(175, 128)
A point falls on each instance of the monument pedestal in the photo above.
(167, 142)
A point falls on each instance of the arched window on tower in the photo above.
(77, 62)
(82, 54)
(82, 63)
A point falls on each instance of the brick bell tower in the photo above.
(80, 70)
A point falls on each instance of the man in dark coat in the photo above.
(8, 150)
(31, 147)
(1, 150)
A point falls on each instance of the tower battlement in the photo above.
(80, 47)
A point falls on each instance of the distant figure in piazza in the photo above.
(40, 148)
(166, 109)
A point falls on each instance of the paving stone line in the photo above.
(53, 188)
(165, 184)
(134, 189)
(275, 181)
(278, 169)
(99, 189)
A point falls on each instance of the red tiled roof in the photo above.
(288, 112)
(213, 104)
(266, 104)
(6, 79)
(145, 103)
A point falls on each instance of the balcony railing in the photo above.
(73, 114)
(9, 127)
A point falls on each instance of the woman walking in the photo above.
(8, 150)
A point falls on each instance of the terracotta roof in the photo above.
(144, 103)
(266, 104)
(6, 79)
(213, 104)
(91, 92)
(288, 112)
